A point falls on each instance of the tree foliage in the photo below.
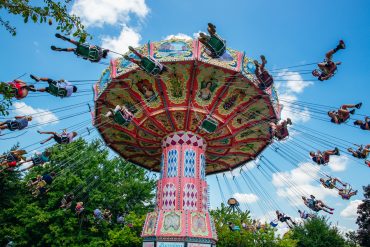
(317, 232)
(98, 181)
(45, 11)
(363, 219)
(262, 237)
(6, 100)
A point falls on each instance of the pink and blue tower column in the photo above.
(181, 217)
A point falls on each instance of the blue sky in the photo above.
(287, 32)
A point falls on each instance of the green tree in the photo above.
(363, 219)
(227, 238)
(6, 100)
(317, 232)
(98, 181)
(45, 11)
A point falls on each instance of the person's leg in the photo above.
(264, 61)
(41, 90)
(46, 132)
(46, 140)
(135, 52)
(354, 154)
(211, 29)
(345, 107)
(66, 39)
(63, 49)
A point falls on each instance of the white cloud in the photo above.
(246, 198)
(298, 182)
(351, 210)
(293, 111)
(127, 37)
(178, 36)
(338, 163)
(39, 115)
(292, 84)
(294, 81)
(100, 12)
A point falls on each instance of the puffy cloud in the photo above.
(294, 81)
(351, 210)
(39, 115)
(293, 111)
(127, 37)
(338, 163)
(292, 85)
(178, 36)
(100, 12)
(246, 198)
(293, 184)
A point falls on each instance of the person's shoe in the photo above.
(352, 111)
(341, 45)
(289, 121)
(355, 192)
(350, 150)
(33, 77)
(256, 63)
(211, 26)
(336, 151)
(263, 59)
(358, 106)
(59, 36)
(330, 212)
(126, 57)
(55, 48)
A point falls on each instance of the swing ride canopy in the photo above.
(195, 87)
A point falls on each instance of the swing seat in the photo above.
(13, 125)
(94, 54)
(57, 91)
(83, 50)
(266, 80)
(123, 117)
(217, 45)
(283, 135)
(209, 125)
(151, 66)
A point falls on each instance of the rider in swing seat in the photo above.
(11, 160)
(328, 68)
(89, 52)
(17, 88)
(343, 114)
(305, 215)
(263, 76)
(37, 159)
(329, 183)
(66, 202)
(284, 218)
(346, 192)
(215, 45)
(280, 131)
(60, 88)
(146, 63)
(361, 153)
(63, 138)
(316, 205)
(120, 115)
(19, 123)
(364, 125)
(323, 158)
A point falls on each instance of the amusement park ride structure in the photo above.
(202, 115)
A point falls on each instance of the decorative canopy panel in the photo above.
(217, 99)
